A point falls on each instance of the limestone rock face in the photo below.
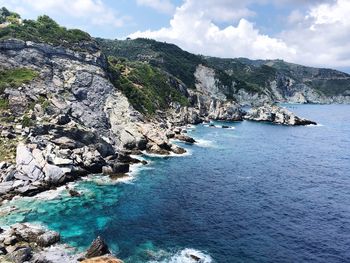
(276, 114)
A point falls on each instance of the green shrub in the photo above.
(27, 122)
(4, 103)
(44, 30)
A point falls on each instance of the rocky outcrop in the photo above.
(102, 260)
(97, 248)
(277, 115)
(25, 242)
(30, 243)
(80, 120)
(209, 98)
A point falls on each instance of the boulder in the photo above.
(21, 255)
(3, 251)
(48, 238)
(120, 168)
(155, 149)
(73, 193)
(97, 248)
(102, 260)
(178, 150)
(185, 138)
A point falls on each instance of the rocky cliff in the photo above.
(71, 106)
(249, 82)
(68, 121)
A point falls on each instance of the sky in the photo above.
(308, 32)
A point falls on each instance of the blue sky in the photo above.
(310, 32)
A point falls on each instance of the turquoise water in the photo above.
(255, 193)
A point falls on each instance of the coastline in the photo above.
(138, 163)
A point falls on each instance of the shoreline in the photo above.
(135, 167)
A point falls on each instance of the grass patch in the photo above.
(4, 104)
(7, 149)
(16, 77)
(26, 121)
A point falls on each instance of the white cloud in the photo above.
(162, 6)
(317, 37)
(193, 28)
(92, 11)
(322, 38)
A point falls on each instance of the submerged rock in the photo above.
(73, 193)
(276, 114)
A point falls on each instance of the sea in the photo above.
(254, 192)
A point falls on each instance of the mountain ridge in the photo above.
(309, 84)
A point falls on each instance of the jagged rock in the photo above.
(185, 138)
(73, 193)
(3, 165)
(102, 260)
(2, 251)
(170, 135)
(155, 149)
(195, 258)
(48, 238)
(276, 114)
(6, 187)
(54, 174)
(10, 240)
(21, 255)
(63, 119)
(178, 150)
(97, 248)
(120, 168)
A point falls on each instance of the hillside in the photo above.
(246, 81)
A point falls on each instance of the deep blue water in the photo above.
(256, 193)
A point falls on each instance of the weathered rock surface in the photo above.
(102, 260)
(21, 242)
(97, 248)
(81, 120)
(276, 114)
(33, 244)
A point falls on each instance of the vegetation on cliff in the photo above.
(43, 30)
(253, 76)
(168, 57)
(16, 77)
(147, 88)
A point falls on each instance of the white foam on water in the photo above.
(219, 126)
(106, 180)
(189, 255)
(204, 143)
(191, 126)
(317, 125)
(136, 168)
(187, 153)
